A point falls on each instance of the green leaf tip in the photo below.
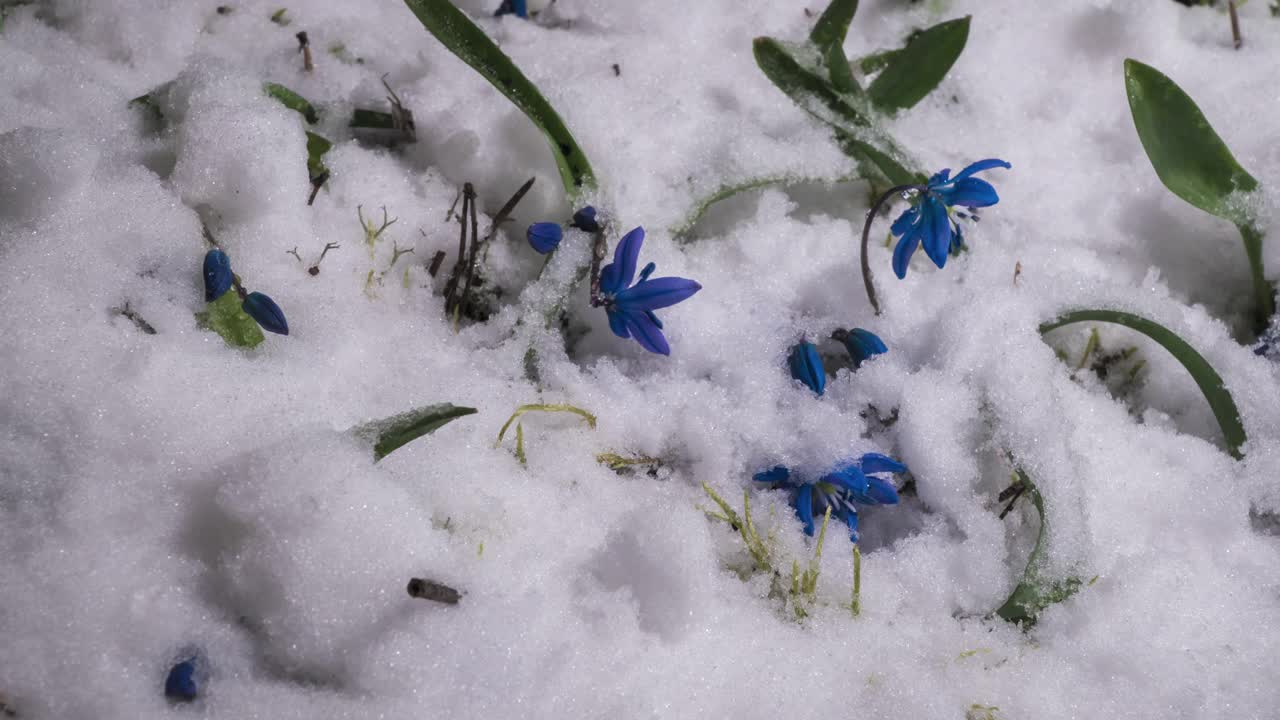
(293, 101)
(390, 434)
(226, 317)
(914, 71)
(1188, 156)
(833, 24)
(461, 36)
(1209, 381)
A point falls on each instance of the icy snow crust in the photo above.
(165, 492)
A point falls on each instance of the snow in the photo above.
(168, 494)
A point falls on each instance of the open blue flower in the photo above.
(630, 307)
(806, 366)
(929, 222)
(848, 484)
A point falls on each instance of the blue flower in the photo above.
(861, 344)
(849, 483)
(630, 307)
(266, 312)
(544, 236)
(181, 682)
(217, 274)
(930, 223)
(806, 366)
(512, 7)
(585, 220)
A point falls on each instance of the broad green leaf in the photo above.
(833, 25)
(913, 72)
(293, 101)
(1190, 158)
(1035, 592)
(456, 31)
(389, 434)
(317, 146)
(371, 119)
(847, 114)
(1209, 381)
(225, 317)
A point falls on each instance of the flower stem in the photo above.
(866, 233)
(598, 249)
(1264, 305)
(856, 606)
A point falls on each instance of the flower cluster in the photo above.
(218, 279)
(546, 236)
(930, 222)
(842, 488)
(806, 364)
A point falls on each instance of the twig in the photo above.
(304, 47)
(431, 590)
(505, 212)
(598, 249)
(294, 252)
(1236, 40)
(475, 244)
(317, 182)
(436, 261)
(130, 314)
(315, 269)
(396, 252)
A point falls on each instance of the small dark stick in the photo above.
(1017, 271)
(504, 213)
(317, 182)
(315, 269)
(455, 276)
(304, 47)
(598, 249)
(475, 244)
(1235, 24)
(431, 590)
(436, 261)
(617, 70)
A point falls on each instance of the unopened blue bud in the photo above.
(862, 345)
(545, 236)
(806, 366)
(585, 219)
(265, 311)
(181, 682)
(217, 274)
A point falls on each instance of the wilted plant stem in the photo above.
(866, 234)
(598, 249)
(1236, 40)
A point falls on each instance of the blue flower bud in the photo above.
(217, 274)
(544, 236)
(264, 310)
(585, 219)
(862, 345)
(806, 366)
(181, 683)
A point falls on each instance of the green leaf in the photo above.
(225, 317)
(389, 434)
(682, 232)
(317, 146)
(913, 72)
(293, 101)
(456, 31)
(1190, 158)
(833, 25)
(1210, 382)
(848, 114)
(371, 119)
(1035, 592)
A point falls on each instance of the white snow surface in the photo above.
(163, 493)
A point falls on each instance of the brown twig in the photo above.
(475, 244)
(1236, 39)
(304, 47)
(315, 269)
(504, 213)
(436, 261)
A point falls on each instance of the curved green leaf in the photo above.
(681, 232)
(1190, 158)
(456, 31)
(833, 25)
(1210, 382)
(317, 146)
(1035, 592)
(293, 101)
(848, 114)
(914, 71)
(391, 433)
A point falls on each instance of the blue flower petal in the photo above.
(804, 507)
(617, 324)
(655, 294)
(774, 475)
(937, 231)
(265, 311)
(618, 274)
(863, 345)
(849, 477)
(646, 333)
(905, 248)
(940, 178)
(881, 492)
(181, 682)
(585, 219)
(217, 274)
(806, 366)
(905, 221)
(850, 518)
(970, 192)
(544, 236)
(979, 167)
(877, 463)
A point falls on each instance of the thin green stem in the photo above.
(1264, 304)
(866, 233)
